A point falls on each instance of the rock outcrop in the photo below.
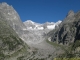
(68, 31)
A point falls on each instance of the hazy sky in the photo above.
(43, 10)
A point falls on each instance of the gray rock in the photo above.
(12, 18)
(68, 31)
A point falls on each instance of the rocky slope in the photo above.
(8, 13)
(12, 47)
(68, 33)
(10, 44)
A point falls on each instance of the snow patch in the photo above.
(40, 28)
(37, 26)
(51, 27)
(29, 21)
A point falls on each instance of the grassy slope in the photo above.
(70, 52)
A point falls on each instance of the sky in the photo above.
(42, 11)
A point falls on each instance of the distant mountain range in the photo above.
(37, 26)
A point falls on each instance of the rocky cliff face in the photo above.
(68, 34)
(68, 31)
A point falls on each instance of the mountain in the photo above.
(11, 45)
(37, 26)
(32, 25)
(8, 13)
(68, 34)
(38, 31)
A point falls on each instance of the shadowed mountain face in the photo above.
(69, 30)
(68, 34)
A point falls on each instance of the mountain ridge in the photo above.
(37, 26)
(12, 18)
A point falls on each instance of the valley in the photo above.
(34, 41)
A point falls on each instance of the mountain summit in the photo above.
(37, 26)
(70, 13)
(8, 13)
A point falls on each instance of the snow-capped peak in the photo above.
(29, 21)
(37, 26)
(57, 23)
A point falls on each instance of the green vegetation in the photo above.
(54, 44)
(38, 59)
(66, 58)
(20, 58)
(70, 52)
(76, 44)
